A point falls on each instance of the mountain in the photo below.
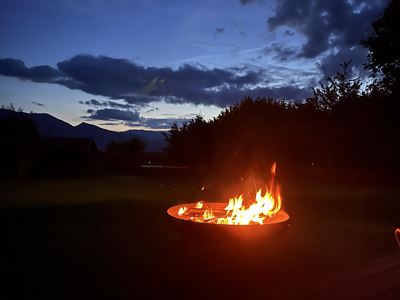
(50, 126)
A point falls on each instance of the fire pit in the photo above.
(246, 218)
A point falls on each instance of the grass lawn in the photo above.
(109, 238)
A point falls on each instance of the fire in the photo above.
(264, 206)
(199, 204)
(182, 210)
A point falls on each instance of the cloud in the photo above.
(16, 68)
(152, 109)
(92, 102)
(330, 64)
(219, 29)
(112, 104)
(161, 123)
(120, 79)
(131, 118)
(111, 123)
(110, 114)
(245, 2)
(288, 32)
(325, 23)
(38, 103)
(281, 52)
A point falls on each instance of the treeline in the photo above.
(341, 126)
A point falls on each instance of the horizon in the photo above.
(79, 124)
(101, 63)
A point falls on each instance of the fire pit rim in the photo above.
(282, 213)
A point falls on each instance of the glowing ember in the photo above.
(262, 210)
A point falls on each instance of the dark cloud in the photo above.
(16, 68)
(105, 75)
(152, 109)
(333, 30)
(325, 23)
(281, 52)
(219, 29)
(38, 103)
(92, 102)
(288, 32)
(244, 2)
(330, 64)
(137, 85)
(111, 114)
(112, 104)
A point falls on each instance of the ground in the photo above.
(109, 237)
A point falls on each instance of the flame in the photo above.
(199, 204)
(182, 210)
(208, 214)
(265, 205)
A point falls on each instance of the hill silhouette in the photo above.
(50, 126)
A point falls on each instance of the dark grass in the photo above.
(109, 238)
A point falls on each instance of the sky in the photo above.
(130, 64)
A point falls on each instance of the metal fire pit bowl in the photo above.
(196, 230)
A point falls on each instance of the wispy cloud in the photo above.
(219, 29)
(38, 103)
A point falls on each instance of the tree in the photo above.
(384, 49)
(131, 146)
(124, 157)
(18, 135)
(338, 89)
(190, 143)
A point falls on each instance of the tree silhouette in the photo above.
(192, 142)
(384, 49)
(17, 136)
(339, 88)
(124, 157)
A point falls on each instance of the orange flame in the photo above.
(182, 210)
(265, 205)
